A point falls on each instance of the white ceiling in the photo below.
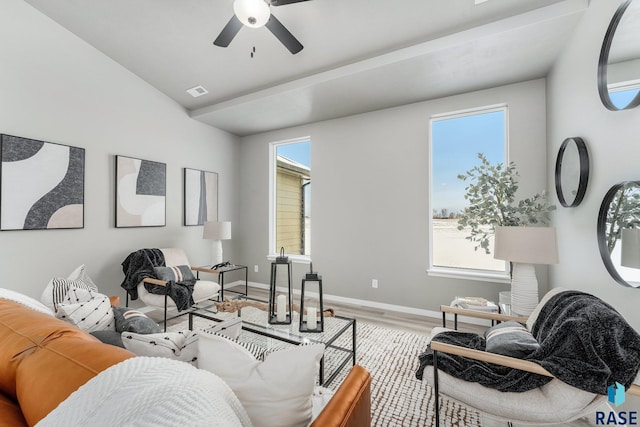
(358, 56)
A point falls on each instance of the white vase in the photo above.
(524, 289)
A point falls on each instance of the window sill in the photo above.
(296, 259)
(482, 276)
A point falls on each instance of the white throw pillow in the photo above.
(80, 273)
(77, 295)
(90, 316)
(182, 345)
(276, 392)
(25, 300)
(57, 288)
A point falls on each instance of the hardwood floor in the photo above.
(422, 325)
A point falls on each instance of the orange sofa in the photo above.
(43, 360)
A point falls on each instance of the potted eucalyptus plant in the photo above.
(491, 196)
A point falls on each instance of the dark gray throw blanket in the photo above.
(139, 265)
(584, 342)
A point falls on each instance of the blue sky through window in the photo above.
(299, 152)
(622, 98)
(454, 147)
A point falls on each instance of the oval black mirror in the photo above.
(572, 172)
(619, 63)
(618, 219)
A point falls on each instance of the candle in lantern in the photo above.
(281, 308)
(311, 318)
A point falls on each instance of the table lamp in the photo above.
(524, 247)
(216, 232)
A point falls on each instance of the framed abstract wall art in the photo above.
(200, 196)
(41, 185)
(140, 192)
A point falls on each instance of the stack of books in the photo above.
(475, 303)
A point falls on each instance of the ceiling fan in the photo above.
(255, 14)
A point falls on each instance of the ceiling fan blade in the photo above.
(282, 34)
(283, 2)
(228, 32)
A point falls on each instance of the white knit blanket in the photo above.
(150, 391)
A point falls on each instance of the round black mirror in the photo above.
(572, 172)
(619, 63)
(618, 227)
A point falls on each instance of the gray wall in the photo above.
(574, 109)
(370, 197)
(55, 87)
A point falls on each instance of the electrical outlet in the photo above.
(374, 283)
(255, 268)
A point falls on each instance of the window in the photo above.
(290, 204)
(456, 139)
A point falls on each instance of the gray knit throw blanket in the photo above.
(584, 342)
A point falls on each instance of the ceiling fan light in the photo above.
(252, 13)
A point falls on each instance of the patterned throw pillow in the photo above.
(182, 345)
(227, 329)
(230, 328)
(57, 288)
(93, 315)
(179, 273)
(128, 320)
(80, 294)
(510, 339)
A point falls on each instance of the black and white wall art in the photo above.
(140, 192)
(42, 185)
(200, 196)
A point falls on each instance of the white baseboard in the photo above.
(374, 304)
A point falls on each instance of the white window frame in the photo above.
(454, 272)
(272, 253)
(623, 86)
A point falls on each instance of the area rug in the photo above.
(397, 397)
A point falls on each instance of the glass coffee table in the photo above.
(339, 335)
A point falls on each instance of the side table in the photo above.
(477, 314)
(227, 269)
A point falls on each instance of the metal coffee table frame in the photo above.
(295, 337)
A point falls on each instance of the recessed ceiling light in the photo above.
(197, 91)
(480, 1)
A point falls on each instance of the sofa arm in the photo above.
(350, 406)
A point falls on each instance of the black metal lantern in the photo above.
(311, 320)
(280, 305)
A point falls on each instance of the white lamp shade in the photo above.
(530, 245)
(214, 230)
(252, 13)
(630, 256)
